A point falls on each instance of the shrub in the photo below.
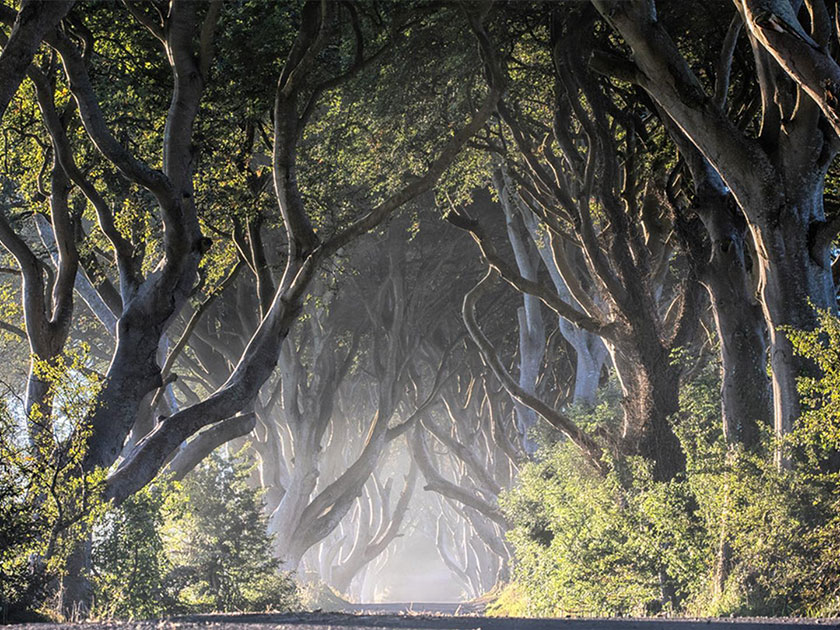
(736, 535)
(587, 546)
(47, 502)
(218, 530)
(191, 547)
(130, 564)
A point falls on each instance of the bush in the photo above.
(130, 564)
(191, 547)
(586, 546)
(47, 502)
(736, 536)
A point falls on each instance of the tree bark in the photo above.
(34, 20)
(776, 179)
(721, 262)
(529, 317)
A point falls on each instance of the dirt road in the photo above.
(413, 621)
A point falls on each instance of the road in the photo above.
(414, 608)
(383, 616)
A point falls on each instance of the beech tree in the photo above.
(375, 523)
(244, 245)
(28, 27)
(468, 451)
(775, 170)
(626, 266)
(152, 293)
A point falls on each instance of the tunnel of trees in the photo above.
(302, 298)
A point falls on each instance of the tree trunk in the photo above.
(132, 375)
(76, 594)
(721, 262)
(777, 179)
(651, 396)
(590, 352)
(35, 19)
(529, 315)
(793, 280)
(746, 400)
(285, 519)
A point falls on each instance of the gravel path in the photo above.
(345, 621)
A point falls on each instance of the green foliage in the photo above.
(191, 547)
(587, 545)
(737, 535)
(817, 440)
(316, 594)
(510, 601)
(819, 430)
(130, 562)
(47, 502)
(218, 531)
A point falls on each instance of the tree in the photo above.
(577, 194)
(776, 171)
(29, 26)
(153, 292)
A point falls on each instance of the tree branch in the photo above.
(588, 446)
(30, 25)
(208, 441)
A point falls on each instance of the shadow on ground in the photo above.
(324, 621)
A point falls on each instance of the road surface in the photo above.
(433, 617)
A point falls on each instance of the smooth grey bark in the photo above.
(83, 286)
(590, 351)
(449, 549)
(371, 541)
(400, 318)
(150, 303)
(436, 482)
(803, 56)
(588, 446)
(464, 551)
(47, 302)
(746, 397)
(721, 263)
(308, 410)
(529, 317)
(468, 469)
(257, 362)
(194, 451)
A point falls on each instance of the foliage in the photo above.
(510, 601)
(819, 431)
(190, 547)
(218, 531)
(817, 440)
(737, 535)
(586, 545)
(315, 594)
(47, 503)
(129, 559)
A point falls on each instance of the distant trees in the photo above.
(468, 453)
